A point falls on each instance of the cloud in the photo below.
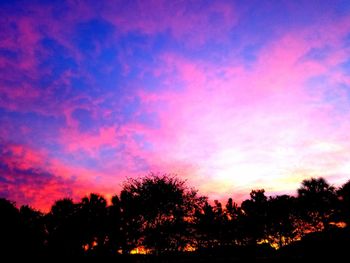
(25, 178)
(32, 177)
(229, 96)
(256, 127)
(191, 23)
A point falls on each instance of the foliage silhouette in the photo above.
(254, 218)
(162, 216)
(64, 229)
(344, 202)
(9, 226)
(114, 225)
(281, 214)
(33, 232)
(161, 207)
(317, 201)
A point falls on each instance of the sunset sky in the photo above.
(229, 95)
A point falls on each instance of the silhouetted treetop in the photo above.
(161, 214)
(165, 206)
(317, 202)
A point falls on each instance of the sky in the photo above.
(229, 95)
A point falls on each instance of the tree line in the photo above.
(160, 214)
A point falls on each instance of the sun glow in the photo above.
(141, 250)
(339, 224)
(190, 248)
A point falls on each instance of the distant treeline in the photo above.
(160, 215)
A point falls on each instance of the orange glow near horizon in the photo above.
(141, 250)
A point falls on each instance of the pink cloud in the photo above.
(223, 126)
(267, 116)
(32, 177)
(89, 142)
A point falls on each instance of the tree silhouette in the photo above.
(232, 232)
(163, 207)
(281, 216)
(344, 196)
(33, 232)
(254, 217)
(131, 220)
(205, 226)
(317, 200)
(164, 216)
(9, 228)
(220, 223)
(64, 228)
(114, 226)
(93, 219)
